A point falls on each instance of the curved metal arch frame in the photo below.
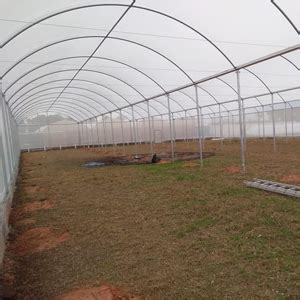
(48, 98)
(95, 37)
(115, 77)
(74, 70)
(83, 70)
(236, 92)
(77, 87)
(286, 16)
(98, 5)
(81, 95)
(131, 67)
(80, 113)
(291, 62)
(71, 93)
(139, 44)
(86, 70)
(188, 96)
(57, 87)
(96, 57)
(159, 102)
(56, 111)
(120, 5)
(74, 87)
(69, 108)
(21, 114)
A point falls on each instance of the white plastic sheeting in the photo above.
(156, 47)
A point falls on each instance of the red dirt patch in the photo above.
(17, 214)
(233, 170)
(37, 205)
(295, 179)
(26, 221)
(104, 292)
(37, 240)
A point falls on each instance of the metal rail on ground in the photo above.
(275, 187)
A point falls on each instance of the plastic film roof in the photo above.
(85, 59)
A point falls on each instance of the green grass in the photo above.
(194, 226)
(165, 231)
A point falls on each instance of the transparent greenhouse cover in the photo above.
(85, 58)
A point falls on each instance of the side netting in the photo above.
(9, 162)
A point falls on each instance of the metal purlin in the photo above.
(95, 50)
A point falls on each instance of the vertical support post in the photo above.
(199, 125)
(112, 133)
(263, 119)
(241, 121)
(130, 131)
(258, 124)
(233, 131)
(228, 124)
(104, 131)
(170, 127)
(194, 129)
(292, 117)
(92, 135)
(144, 131)
(150, 129)
(97, 130)
(221, 128)
(87, 134)
(273, 123)
(153, 127)
(162, 129)
(185, 125)
(174, 131)
(79, 134)
(138, 139)
(134, 131)
(285, 123)
(82, 130)
(244, 125)
(122, 132)
(202, 129)
(48, 130)
(215, 125)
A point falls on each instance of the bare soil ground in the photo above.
(162, 231)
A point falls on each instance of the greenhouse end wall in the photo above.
(66, 135)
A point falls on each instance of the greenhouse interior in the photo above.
(150, 149)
